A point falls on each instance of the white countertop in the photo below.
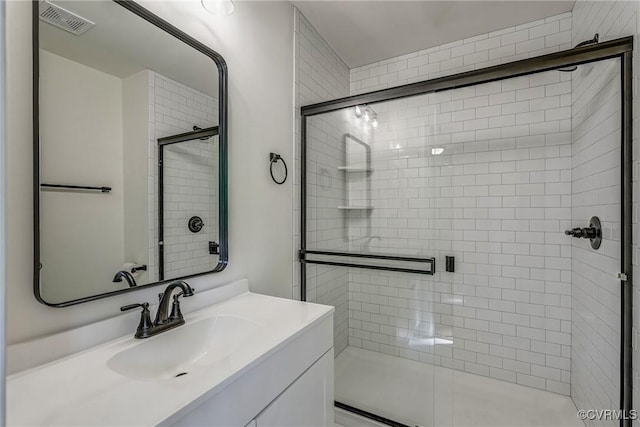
(81, 390)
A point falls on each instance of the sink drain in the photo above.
(181, 374)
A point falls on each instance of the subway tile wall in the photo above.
(506, 45)
(498, 202)
(596, 133)
(320, 75)
(595, 367)
(497, 198)
(191, 176)
(326, 187)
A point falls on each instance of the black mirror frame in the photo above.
(148, 16)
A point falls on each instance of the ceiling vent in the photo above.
(62, 18)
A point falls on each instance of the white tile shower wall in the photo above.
(320, 75)
(498, 199)
(596, 192)
(521, 335)
(191, 175)
(326, 186)
(506, 45)
(610, 20)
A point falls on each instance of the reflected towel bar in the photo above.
(77, 187)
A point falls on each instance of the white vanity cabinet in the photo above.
(291, 387)
(306, 402)
(243, 359)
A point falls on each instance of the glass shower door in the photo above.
(470, 240)
(363, 260)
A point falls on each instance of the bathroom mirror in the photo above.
(130, 165)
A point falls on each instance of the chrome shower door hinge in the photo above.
(622, 276)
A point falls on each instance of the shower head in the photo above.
(594, 40)
(204, 138)
(568, 69)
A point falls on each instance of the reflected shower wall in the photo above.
(190, 189)
(175, 109)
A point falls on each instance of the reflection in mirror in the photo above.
(113, 88)
(188, 171)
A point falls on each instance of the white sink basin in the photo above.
(183, 350)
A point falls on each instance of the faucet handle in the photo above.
(144, 305)
(145, 325)
(176, 314)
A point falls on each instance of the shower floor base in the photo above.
(417, 394)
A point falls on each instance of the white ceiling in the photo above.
(122, 43)
(363, 32)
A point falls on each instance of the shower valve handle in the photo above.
(593, 232)
(582, 232)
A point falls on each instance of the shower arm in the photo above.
(594, 40)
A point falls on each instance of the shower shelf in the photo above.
(355, 207)
(354, 169)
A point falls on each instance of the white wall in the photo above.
(258, 36)
(81, 134)
(135, 149)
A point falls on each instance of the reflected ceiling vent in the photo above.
(62, 18)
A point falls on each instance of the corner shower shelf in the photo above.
(355, 207)
(354, 169)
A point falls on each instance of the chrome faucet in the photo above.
(122, 274)
(164, 321)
